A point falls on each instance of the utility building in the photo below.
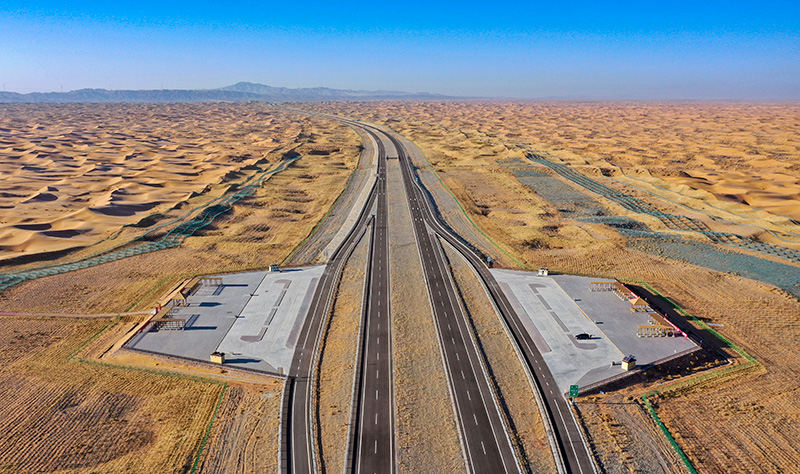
(628, 362)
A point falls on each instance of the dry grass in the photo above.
(246, 436)
(625, 438)
(528, 429)
(60, 414)
(337, 367)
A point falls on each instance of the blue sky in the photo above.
(594, 50)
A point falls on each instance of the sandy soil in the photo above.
(74, 175)
(59, 414)
(740, 157)
(346, 207)
(523, 418)
(427, 434)
(79, 416)
(262, 229)
(337, 367)
(742, 422)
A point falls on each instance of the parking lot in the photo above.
(554, 309)
(253, 317)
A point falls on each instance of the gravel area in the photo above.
(338, 361)
(427, 435)
(522, 413)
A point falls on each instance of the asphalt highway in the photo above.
(298, 453)
(372, 435)
(483, 435)
(573, 451)
(484, 439)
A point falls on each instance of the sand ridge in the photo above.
(740, 157)
(71, 175)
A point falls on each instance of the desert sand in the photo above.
(145, 413)
(748, 157)
(73, 175)
(731, 166)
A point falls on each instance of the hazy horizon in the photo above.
(714, 51)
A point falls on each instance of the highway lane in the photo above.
(573, 450)
(298, 432)
(484, 440)
(372, 435)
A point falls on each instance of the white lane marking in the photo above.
(468, 396)
(462, 376)
(376, 418)
(483, 447)
(376, 394)
(457, 356)
(375, 449)
(475, 418)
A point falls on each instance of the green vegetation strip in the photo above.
(751, 362)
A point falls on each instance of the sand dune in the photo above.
(742, 157)
(71, 175)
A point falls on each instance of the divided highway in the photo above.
(573, 451)
(297, 437)
(484, 439)
(372, 446)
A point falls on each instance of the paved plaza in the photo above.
(554, 309)
(253, 317)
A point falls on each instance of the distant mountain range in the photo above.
(239, 92)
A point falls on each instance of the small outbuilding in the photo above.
(628, 362)
(274, 267)
(543, 272)
(218, 357)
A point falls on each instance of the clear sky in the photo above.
(593, 50)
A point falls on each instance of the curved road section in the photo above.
(572, 448)
(372, 444)
(484, 437)
(298, 450)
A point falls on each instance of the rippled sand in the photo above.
(71, 175)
